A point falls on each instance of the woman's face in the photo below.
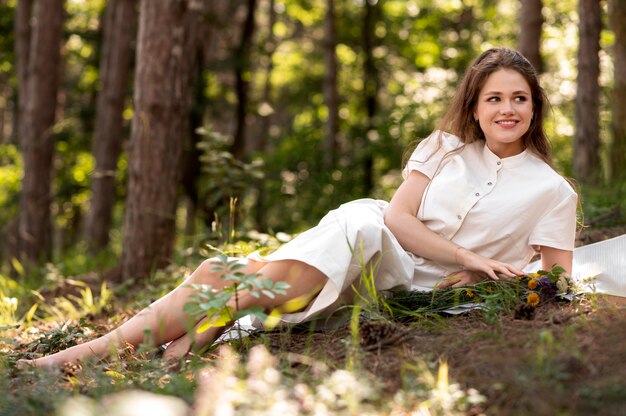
(504, 111)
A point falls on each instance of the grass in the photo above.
(568, 359)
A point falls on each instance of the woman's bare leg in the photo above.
(164, 319)
(304, 280)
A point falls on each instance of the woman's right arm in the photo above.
(414, 236)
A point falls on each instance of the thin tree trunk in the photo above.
(35, 131)
(262, 141)
(162, 99)
(587, 137)
(617, 21)
(120, 20)
(370, 85)
(242, 81)
(331, 97)
(529, 40)
(23, 13)
(191, 169)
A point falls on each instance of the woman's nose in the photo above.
(506, 107)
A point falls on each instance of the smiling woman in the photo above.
(504, 111)
(478, 195)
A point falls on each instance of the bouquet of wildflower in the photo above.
(523, 295)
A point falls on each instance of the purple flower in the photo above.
(546, 288)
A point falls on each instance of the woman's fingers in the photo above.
(460, 278)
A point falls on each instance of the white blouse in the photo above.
(496, 207)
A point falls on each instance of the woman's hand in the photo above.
(491, 268)
(461, 278)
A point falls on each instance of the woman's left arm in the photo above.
(553, 256)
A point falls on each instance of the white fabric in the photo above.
(598, 267)
(345, 240)
(474, 198)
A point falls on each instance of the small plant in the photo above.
(523, 295)
(77, 306)
(218, 305)
(59, 339)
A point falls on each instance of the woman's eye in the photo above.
(520, 98)
(492, 99)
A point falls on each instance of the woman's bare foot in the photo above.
(96, 348)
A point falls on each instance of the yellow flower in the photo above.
(532, 284)
(535, 275)
(532, 299)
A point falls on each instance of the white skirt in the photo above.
(348, 242)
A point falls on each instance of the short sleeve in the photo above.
(557, 228)
(429, 153)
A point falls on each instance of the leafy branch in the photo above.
(221, 306)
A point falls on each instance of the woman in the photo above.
(479, 199)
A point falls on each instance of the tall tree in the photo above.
(530, 26)
(331, 96)
(371, 86)
(119, 30)
(162, 99)
(242, 79)
(259, 142)
(23, 12)
(35, 130)
(617, 20)
(587, 137)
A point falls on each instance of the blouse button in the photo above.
(459, 216)
(499, 163)
(489, 183)
(477, 194)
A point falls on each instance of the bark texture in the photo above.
(371, 85)
(587, 137)
(35, 130)
(529, 40)
(162, 104)
(331, 96)
(119, 27)
(242, 80)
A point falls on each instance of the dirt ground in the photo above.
(569, 359)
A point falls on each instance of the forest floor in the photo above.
(567, 359)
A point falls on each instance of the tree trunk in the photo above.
(370, 85)
(331, 96)
(23, 13)
(162, 104)
(587, 138)
(119, 29)
(242, 81)
(617, 21)
(192, 166)
(529, 40)
(261, 142)
(35, 130)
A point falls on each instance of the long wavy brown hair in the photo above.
(459, 118)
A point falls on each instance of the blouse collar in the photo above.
(510, 161)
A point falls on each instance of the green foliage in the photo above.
(224, 178)
(58, 339)
(214, 304)
(11, 168)
(494, 296)
(76, 306)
